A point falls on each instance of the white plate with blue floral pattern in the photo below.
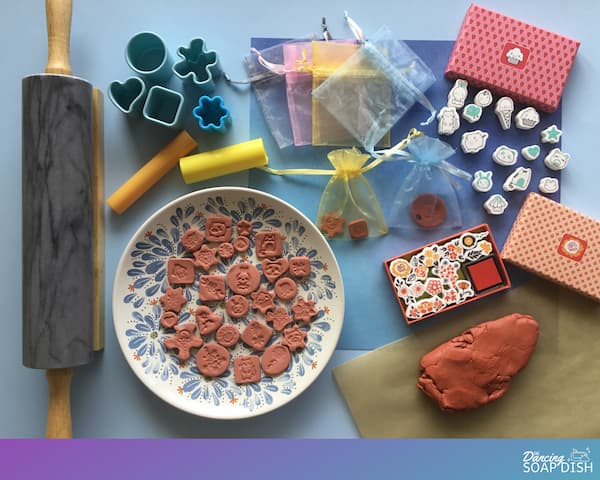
(141, 279)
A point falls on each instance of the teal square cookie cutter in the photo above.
(199, 66)
(164, 106)
(212, 114)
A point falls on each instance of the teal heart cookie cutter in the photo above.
(128, 96)
(199, 66)
(212, 114)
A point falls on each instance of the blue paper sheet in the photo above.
(373, 317)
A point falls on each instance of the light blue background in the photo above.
(107, 400)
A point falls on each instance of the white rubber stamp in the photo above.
(504, 109)
(527, 118)
(505, 156)
(518, 180)
(458, 94)
(482, 181)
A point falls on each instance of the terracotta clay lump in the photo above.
(476, 368)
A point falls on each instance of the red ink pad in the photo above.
(246, 369)
(237, 306)
(484, 274)
(275, 359)
(192, 240)
(300, 266)
(269, 244)
(212, 360)
(218, 229)
(428, 210)
(227, 335)
(243, 278)
(273, 269)
(180, 271)
(212, 288)
(256, 335)
(285, 288)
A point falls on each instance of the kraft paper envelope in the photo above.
(556, 395)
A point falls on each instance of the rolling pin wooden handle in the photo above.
(58, 424)
(58, 21)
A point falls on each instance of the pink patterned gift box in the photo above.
(556, 243)
(512, 58)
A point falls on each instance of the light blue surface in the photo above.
(108, 401)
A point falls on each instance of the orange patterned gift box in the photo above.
(557, 243)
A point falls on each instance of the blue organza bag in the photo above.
(427, 197)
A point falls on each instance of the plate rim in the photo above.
(209, 191)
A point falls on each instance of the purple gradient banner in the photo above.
(295, 459)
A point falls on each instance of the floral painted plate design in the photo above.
(141, 278)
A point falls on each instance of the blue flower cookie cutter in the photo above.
(212, 114)
(199, 66)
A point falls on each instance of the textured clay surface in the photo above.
(476, 367)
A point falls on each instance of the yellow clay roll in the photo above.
(151, 172)
(223, 161)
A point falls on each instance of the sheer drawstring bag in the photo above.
(373, 88)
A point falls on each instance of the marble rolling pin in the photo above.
(62, 261)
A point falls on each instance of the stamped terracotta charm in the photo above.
(244, 227)
(294, 338)
(285, 288)
(273, 269)
(332, 224)
(227, 335)
(299, 266)
(212, 360)
(207, 320)
(180, 271)
(169, 319)
(275, 359)
(279, 318)
(205, 258)
(241, 244)
(192, 239)
(246, 369)
(173, 300)
(237, 306)
(269, 244)
(243, 278)
(184, 340)
(225, 250)
(263, 300)
(358, 229)
(304, 310)
(256, 335)
(212, 288)
(218, 229)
